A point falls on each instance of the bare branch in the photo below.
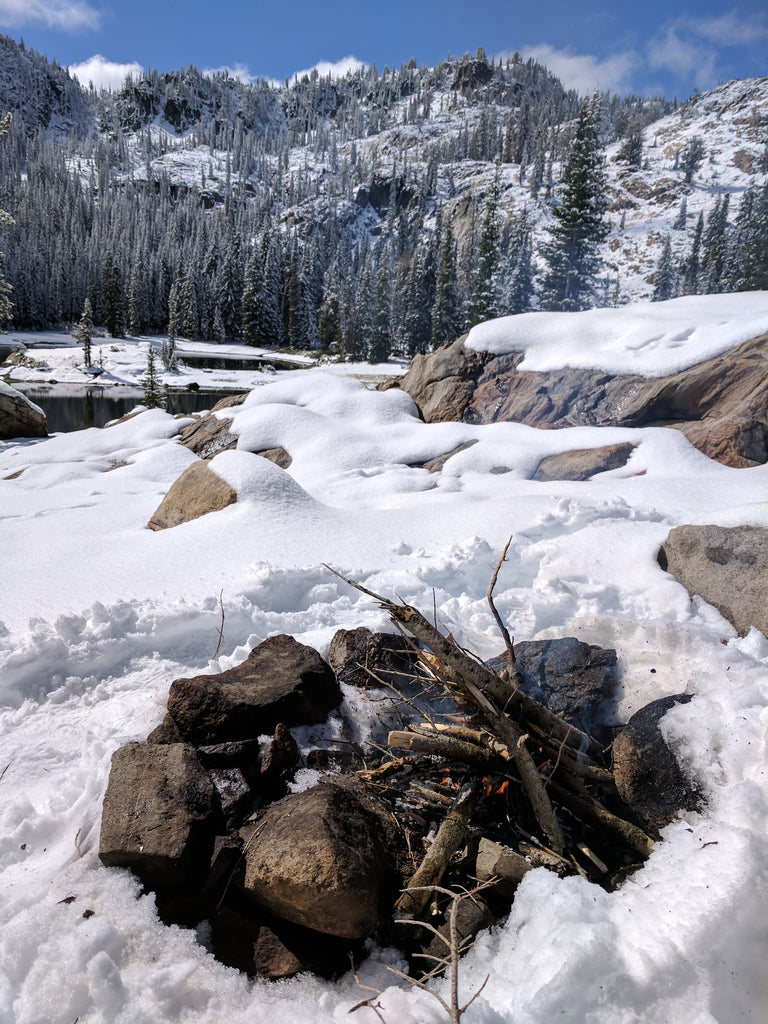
(499, 622)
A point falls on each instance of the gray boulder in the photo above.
(324, 859)
(726, 566)
(569, 677)
(196, 492)
(159, 813)
(648, 776)
(18, 416)
(280, 681)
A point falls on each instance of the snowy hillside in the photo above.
(100, 614)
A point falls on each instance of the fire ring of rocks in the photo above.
(493, 770)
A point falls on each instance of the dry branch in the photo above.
(449, 748)
(499, 622)
(449, 839)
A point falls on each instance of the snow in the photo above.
(99, 614)
(654, 339)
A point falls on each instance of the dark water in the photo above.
(68, 408)
(209, 362)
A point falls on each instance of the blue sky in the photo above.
(644, 46)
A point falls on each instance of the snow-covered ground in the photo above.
(100, 614)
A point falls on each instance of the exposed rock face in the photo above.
(584, 463)
(362, 658)
(18, 416)
(196, 492)
(320, 859)
(569, 677)
(159, 813)
(647, 774)
(720, 404)
(728, 567)
(280, 681)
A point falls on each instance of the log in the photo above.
(450, 837)
(599, 818)
(449, 748)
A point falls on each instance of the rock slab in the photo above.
(726, 566)
(159, 813)
(281, 680)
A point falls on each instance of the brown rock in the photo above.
(208, 436)
(279, 456)
(362, 658)
(197, 492)
(321, 859)
(159, 813)
(280, 681)
(648, 776)
(495, 861)
(727, 567)
(583, 463)
(720, 404)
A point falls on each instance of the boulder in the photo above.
(583, 463)
(369, 660)
(278, 764)
(438, 463)
(208, 436)
(18, 416)
(324, 858)
(281, 680)
(159, 813)
(569, 677)
(197, 492)
(719, 404)
(726, 566)
(648, 776)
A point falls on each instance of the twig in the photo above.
(221, 628)
(499, 622)
(2, 773)
(450, 838)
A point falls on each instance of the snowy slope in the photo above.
(99, 615)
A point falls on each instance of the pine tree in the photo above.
(572, 254)
(153, 395)
(381, 327)
(664, 286)
(446, 314)
(519, 290)
(747, 260)
(715, 245)
(692, 271)
(483, 304)
(6, 306)
(682, 215)
(631, 149)
(112, 297)
(692, 157)
(84, 332)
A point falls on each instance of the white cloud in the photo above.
(584, 72)
(729, 29)
(336, 69)
(240, 71)
(105, 74)
(67, 15)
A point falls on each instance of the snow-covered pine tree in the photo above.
(153, 395)
(692, 268)
(484, 302)
(572, 256)
(6, 306)
(84, 332)
(446, 312)
(665, 283)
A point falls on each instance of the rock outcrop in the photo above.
(720, 405)
(18, 416)
(726, 566)
(197, 492)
